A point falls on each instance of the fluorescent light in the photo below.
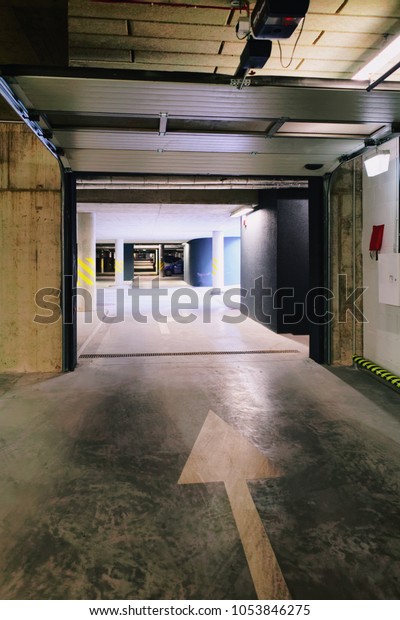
(382, 59)
(377, 164)
(241, 211)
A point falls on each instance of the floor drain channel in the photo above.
(263, 352)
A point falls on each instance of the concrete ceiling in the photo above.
(163, 214)
(171, 35)
(161, 222)
(34, 32)
(337, 39)
(148, 91)
(131, 102)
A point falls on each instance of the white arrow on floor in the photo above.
(221, 454)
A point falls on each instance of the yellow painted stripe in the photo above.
(84, 278)
(85, 267)
(90, 260)
(377, 370)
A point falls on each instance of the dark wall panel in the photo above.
(259, 259)
(34, 32)
(318, 245)
(128, 261)
(275, 254)
(293, 265)
(69, 267)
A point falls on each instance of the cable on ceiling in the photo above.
(294, 48)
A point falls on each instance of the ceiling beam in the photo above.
(166, 196)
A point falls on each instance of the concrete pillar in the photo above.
(345, 258)
(119, 262)
(87, 260)
(217, 263)
(30, 257)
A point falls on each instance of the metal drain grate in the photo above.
(263, 352)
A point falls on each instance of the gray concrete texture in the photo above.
(90, 461)
(30, 241)
(346, 259)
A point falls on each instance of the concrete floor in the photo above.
(204, 327)
(90, 463)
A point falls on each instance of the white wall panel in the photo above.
(381, 206)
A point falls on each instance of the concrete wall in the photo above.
(346, 215)
(381, 206)
(30, 258)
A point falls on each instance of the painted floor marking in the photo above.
(221, 454)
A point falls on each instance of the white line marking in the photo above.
(90, 337)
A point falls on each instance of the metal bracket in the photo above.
(241, 83)
(162, 128)
(25, 115)
(272, 130)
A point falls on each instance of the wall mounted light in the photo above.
(242, 211)
(389, 54)
(313, 166)
(377, 163)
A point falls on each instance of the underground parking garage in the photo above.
(198, 406)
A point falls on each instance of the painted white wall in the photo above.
(381, 206)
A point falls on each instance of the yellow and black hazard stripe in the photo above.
(380, 372)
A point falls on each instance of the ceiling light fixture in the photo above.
(245, 210)
(377, 163)
(381, 60)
